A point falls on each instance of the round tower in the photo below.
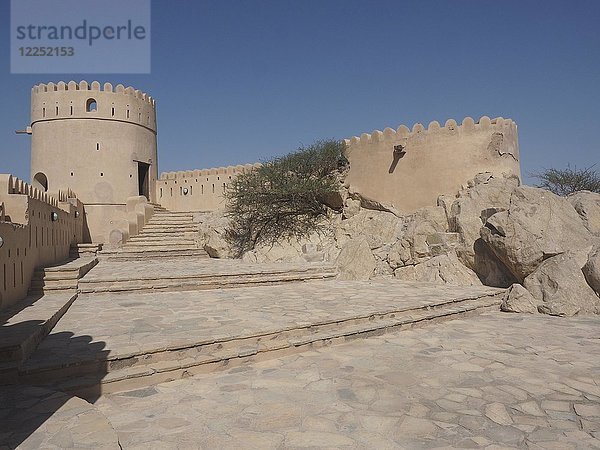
(98, 141)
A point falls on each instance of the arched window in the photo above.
(91, 105)
(40, 181)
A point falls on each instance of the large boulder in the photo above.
(355, 261)
(587, 205)
(537, 225)
(211, 234)
(484, 196)
(439, 269)
(591, 269)
(377, 227)
(518, 299)
(561, 287)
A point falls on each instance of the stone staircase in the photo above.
(52, 291)
(60, 277)
(166, 235)
(132, 370)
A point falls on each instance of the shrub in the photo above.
(566, 181)
(285, 197)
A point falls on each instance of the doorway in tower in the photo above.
(143, 181)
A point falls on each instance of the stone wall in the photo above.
(197, 190)
(409, 169)
(30, 237)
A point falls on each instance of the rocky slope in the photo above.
(545, 248)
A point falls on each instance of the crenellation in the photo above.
(456, 153)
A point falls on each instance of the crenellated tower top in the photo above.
(83, 100)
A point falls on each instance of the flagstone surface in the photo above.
(491, 381)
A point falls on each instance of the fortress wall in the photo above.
(205, 188)
(30, 237)
(433, 161)
(95, 151)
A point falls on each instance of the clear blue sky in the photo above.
(238, 82)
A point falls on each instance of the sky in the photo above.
(243, 81)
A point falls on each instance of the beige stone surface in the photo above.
(587, 205)
(440, 269)
(30, 238)
(519, 300)
(537, 225)
(560, 284)
(95, 153)
(492, 381)
(591, 269)
(453, 153)
(355, 261)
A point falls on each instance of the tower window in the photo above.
(40, 181)
(91, 105)
(97, 146)
(101, 174)
(71, 109)
(112, 112)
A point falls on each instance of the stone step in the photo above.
(214, 280)
(26, 324)
(172, 242)
(134, 248)
(188, 227)
(151, 366)
(162, 237)
(61, 277)
(144, 254)
(84, 250)
(171, 218)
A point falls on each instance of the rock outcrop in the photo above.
(519, 300)
(536, 226)
(494, 232)
(355, 261)
(591, 269)
(439, 269)
(561, 287)
(587, 205)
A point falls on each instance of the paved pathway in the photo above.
(490, 381)
(120, 324)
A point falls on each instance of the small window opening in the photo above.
(101, 174)
(91, 105)
(97, 146)
(112, 112)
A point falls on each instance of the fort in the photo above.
(121, 302)
(94, 148)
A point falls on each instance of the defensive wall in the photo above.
(410, 168)
(100, 142)
(36, 229)
(197, 190)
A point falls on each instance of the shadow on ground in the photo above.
(40, 408)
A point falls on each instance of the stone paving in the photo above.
(33, 418)
(490, 381)
(115, 324)
(156, 268)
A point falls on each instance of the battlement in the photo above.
(197, 190)
(228, 170)
(408, 168)
(83, 100)
(13, 185)
(434, 129)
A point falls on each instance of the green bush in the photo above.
(285, 197)
(566, 181)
